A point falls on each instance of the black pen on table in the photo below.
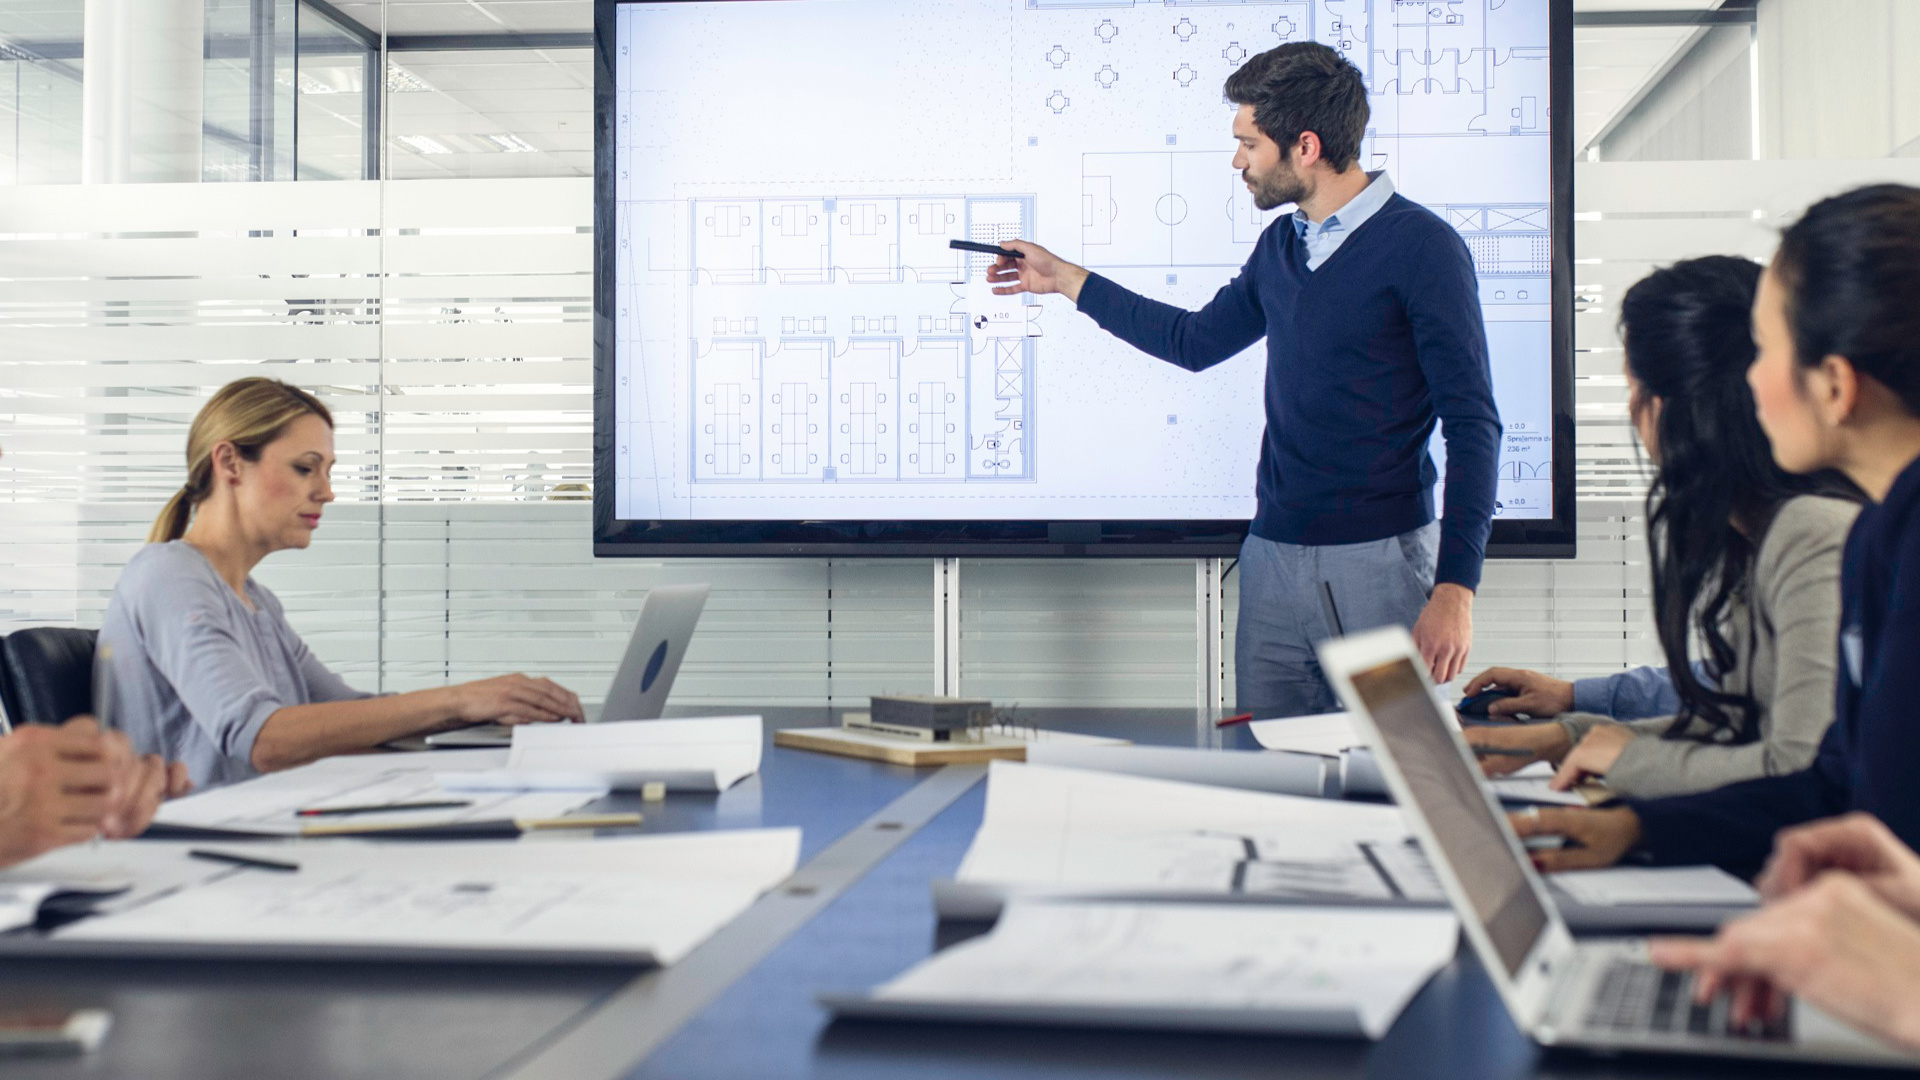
(1501, 751)
(251, 861)
(378, 808)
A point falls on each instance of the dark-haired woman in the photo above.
(1837, 385)
(1746, 561)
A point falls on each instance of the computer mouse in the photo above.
(1477, 704)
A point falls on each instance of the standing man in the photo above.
(1371, 313)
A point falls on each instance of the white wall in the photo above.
(1701, 110)
(1838, 78)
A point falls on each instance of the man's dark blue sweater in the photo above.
(1871, 755)
(1363, 355)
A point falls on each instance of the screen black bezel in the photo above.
(1552, 537)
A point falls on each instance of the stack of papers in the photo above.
(1533, 784)
(643, 899)
(268, 805)
(1055, 831)
(705, 754)
(1327, 734)
(1221, 967)
(1620, 886)
(1333, 735)
(1280, 774)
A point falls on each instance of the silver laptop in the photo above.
(1598, 995)
(640, 687)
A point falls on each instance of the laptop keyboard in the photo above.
(1636, 997)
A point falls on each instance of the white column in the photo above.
(141, 99)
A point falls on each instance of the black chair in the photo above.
(6, 695)
(48, 674)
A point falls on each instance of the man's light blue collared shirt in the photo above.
(1325, 238)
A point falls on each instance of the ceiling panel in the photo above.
(1580, 6)
(473, 16)
(544, 97)
(1611, 65)
(40, 20)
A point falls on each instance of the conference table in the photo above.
(857, 912)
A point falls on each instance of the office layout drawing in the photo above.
(794, 338)
(842, 347)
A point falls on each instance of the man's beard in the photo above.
(1277, 189)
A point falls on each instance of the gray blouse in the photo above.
(195, 672)
(1785, 642)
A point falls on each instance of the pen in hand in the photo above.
(1501, 751)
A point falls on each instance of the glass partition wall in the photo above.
(389, 203)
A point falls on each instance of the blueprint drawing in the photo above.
(795, 339)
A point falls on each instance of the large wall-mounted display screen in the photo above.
(791, 358)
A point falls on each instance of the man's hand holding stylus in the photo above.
(1039, 273)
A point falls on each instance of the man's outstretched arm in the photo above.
(1195, 340)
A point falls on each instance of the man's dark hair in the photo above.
(1305, 86)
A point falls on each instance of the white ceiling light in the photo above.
(421, 144)
(512, 144)
(402, 81)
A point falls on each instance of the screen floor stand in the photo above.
(946, 627)
(1210, 634)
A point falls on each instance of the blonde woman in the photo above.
(206, 668)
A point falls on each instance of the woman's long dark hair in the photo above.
(1717, 489)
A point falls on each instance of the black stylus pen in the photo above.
(252, 861)
(985, 249)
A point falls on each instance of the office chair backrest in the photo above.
(6, 695)
(49, 674)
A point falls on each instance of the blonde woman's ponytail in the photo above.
(249, 413)
(172, 522)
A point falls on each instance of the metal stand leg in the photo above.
(1210, 630)
(946, 627)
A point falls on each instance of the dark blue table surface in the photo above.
(392, 1022)
(247, 1021)
(768, 1025)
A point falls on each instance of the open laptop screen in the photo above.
(1448, 792)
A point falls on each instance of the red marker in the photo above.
(1232, 720)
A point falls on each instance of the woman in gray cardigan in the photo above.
(1746, 573)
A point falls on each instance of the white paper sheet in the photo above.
(133, 871)
(710, 753)
(1280, 774)
(266, 805)
(1656, 885)
(1531, 785)
(641, 896)
(20, 903)
(1191, 956)
(1326, 734)
(1052, 826)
